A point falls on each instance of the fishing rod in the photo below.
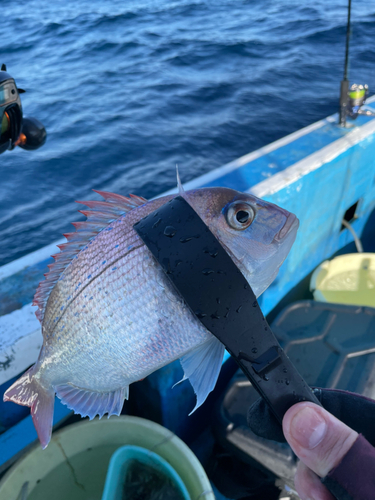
(354, 97)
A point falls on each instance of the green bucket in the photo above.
(75, 463)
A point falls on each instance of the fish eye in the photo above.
(240, 215)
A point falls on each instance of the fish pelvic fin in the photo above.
(28, 391)
(202, 367)
(91, 403)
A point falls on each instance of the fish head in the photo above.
(257, 235)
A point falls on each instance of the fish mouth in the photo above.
(291, 224)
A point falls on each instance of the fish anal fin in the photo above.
(91, 403)
(202, 367)
(100, 215)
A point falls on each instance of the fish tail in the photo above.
(28, 391)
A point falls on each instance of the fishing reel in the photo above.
(352, 100)
(27, 133)
(357, 96)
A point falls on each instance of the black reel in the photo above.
(27, 133)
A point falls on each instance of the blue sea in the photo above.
(128, 89)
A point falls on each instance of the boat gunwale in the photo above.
(268, 186)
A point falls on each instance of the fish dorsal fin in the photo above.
(99, 216)
(181, 190)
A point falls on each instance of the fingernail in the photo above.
(308, 428)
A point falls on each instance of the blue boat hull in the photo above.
(319, 173)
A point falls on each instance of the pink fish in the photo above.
(110, 316)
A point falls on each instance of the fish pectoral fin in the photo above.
(91, 403)
(202, 367)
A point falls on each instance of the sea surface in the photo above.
(128, 89)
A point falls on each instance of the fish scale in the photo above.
(118, 312)
(110, 316)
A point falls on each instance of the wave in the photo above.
(129, 89)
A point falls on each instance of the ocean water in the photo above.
(128, 89)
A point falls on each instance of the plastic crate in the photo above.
(332, 345)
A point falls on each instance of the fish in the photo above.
(110, 316)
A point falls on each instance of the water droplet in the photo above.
(255, 303)
(155, 214)
(169, 231)
(212, 253)
(254, 350)
(265, 328)
(207, 271)
(215, 316)
(221, 272)
(218, 300)
(266, 378)
(178, 262)
(156, 224)
(285, 370)
(287, 381)
(246, 286)
(226, 314)
(239, 309)
(189, 238)
(200, 314)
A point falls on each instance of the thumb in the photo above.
(318, 438)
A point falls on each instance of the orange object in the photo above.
(21, 141)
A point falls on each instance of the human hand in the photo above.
(320, 440)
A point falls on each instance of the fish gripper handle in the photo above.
(218, 294)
